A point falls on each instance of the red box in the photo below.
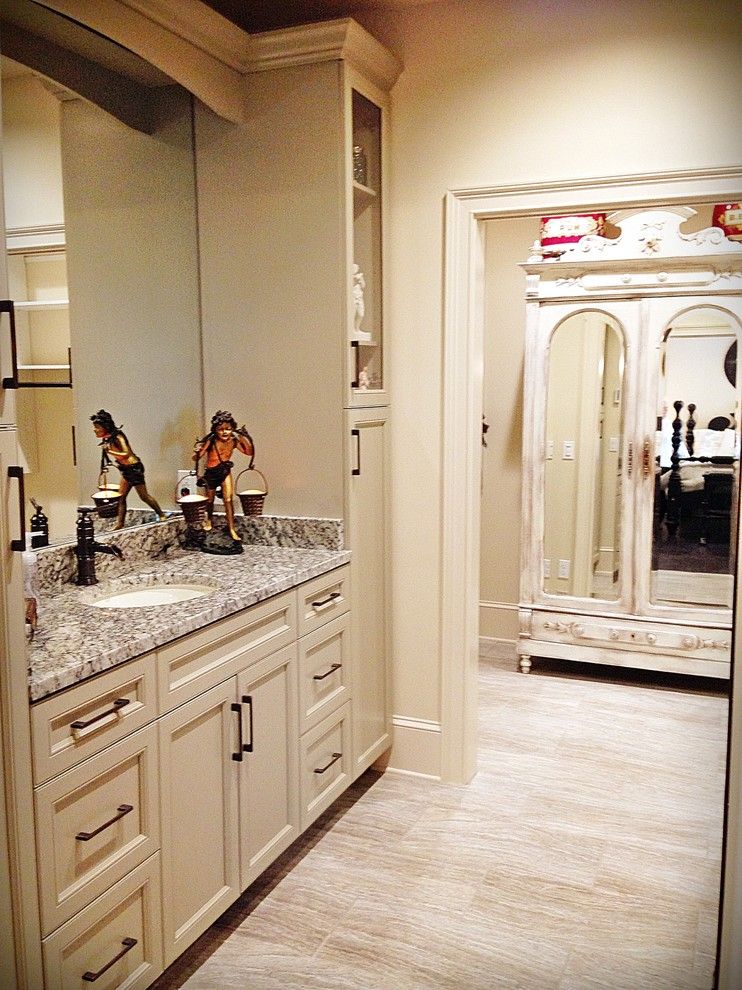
(561, 232)
(728, 216)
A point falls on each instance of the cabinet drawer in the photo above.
(116, 938)
(694, 642)
(323, 599)
(324, 671)
(205, 658)
(69, 727)
(325, 764)
(95, 823)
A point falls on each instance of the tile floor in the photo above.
(585, 855)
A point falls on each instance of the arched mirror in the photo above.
(697, 456)
(582, 471)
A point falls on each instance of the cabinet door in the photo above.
(198, 812)
(269, 805)
(366, 160)
(367, 533)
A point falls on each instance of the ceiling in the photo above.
(262, 15)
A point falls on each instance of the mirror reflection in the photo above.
(697, 461)
(584, 437)
(103, 265)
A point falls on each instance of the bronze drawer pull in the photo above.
(327, 601)
(128, 943)
(117, 705)
(123, 809)
(333, 668)
(248, 746)
(238, 710)
(335, 758)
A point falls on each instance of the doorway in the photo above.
(466, 213)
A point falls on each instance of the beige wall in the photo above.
(271, 240)
(507, 243)
(518, 93)
(32, 165)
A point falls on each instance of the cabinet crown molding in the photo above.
(211, 57)
(326, 41)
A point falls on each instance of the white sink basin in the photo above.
(153, 594)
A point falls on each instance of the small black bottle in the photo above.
(39, 526)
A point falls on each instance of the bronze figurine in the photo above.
(218, 446)
(116, 445)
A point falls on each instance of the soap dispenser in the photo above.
(39, 526)
(30, 586)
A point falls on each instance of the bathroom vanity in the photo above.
(178, 749)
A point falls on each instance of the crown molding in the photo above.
(211, 57)
(341, 39)
(200, 26)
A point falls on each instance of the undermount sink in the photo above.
(153, 594)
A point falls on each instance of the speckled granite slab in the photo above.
(75, 639)
(57, 565)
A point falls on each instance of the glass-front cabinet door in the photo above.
(366, 165)
(691, 419)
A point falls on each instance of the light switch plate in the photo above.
(563, 568)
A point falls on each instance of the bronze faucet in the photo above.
(87, 546)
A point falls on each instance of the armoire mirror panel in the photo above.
(582, 470)
(697, 460)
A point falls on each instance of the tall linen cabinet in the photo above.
(291, 228)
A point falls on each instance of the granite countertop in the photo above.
(75, 639)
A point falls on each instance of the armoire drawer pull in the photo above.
(118, 704)
(335, 758)
(123, 809)
(333, 668)
(326, 602)
(128, 944)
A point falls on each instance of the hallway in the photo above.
(585, 855)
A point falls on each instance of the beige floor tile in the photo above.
(584, 855)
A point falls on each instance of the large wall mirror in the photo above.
(584, 438)
(103, 264)
(697, 455)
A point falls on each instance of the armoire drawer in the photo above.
(75, 724)
(630, 634)
(323, 598)
(324, 671)
(325, 764)
(95, 823)
(117, 939)
(201, 660)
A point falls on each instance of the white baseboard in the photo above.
(498, 649)
(417, 747)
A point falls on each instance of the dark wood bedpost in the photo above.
(672, 519)
(689, 428)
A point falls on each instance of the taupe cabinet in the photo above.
(166, 785)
